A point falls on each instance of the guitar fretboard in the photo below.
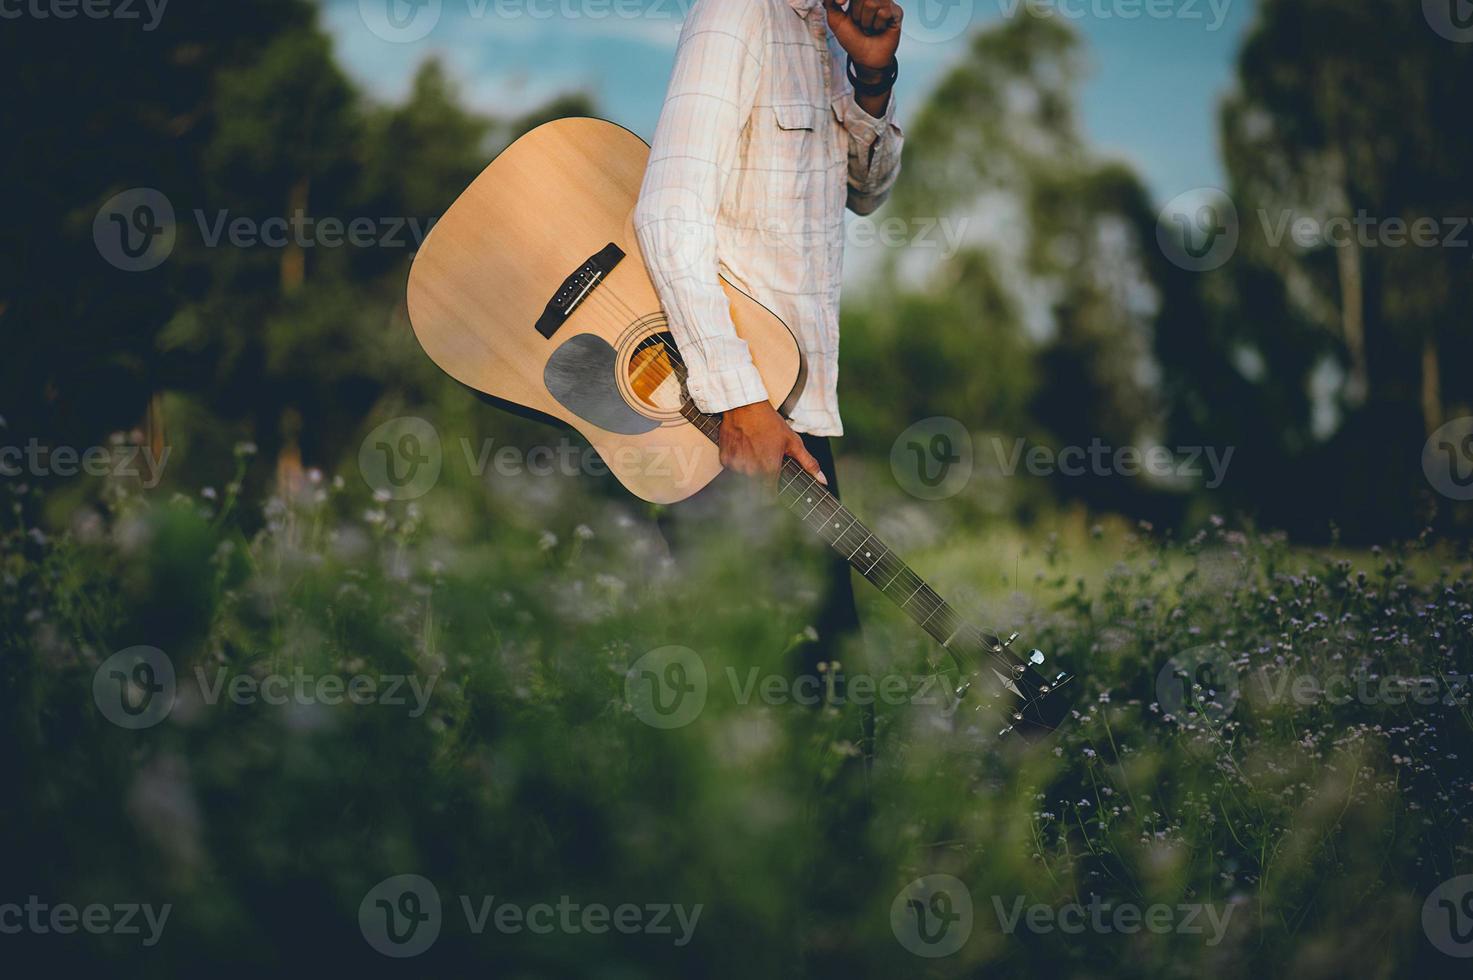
(871, 557)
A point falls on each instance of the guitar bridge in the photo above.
(578, 287)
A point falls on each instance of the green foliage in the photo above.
(1311, 829)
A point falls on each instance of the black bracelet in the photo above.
(879, 88)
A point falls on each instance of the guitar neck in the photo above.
(822, 512)
(977, 653)
(869, 556)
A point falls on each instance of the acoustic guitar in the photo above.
(532, 290)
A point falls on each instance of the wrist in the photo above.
(742, 412)
(871, 81)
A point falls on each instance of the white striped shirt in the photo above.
(759, 148)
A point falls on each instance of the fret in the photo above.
(884, 588)
(829, 501)
(933, 612)
(875, 554)
(788, 483)
(841, 521)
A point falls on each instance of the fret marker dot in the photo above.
(868, 555)
(809, 500)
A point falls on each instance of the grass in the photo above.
(1256, 832)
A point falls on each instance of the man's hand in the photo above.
(755, 439)
(869, 31)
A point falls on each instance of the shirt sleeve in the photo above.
(718, 65)
(875, 145)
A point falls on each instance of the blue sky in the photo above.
(1158, 67)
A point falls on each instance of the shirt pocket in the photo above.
(796, 154)
(795, 117)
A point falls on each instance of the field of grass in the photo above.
(1266, 772)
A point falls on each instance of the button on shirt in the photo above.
(759, 149)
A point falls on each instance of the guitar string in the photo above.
(927, 600)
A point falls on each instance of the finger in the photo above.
(805, 459)
(845, 29)
(869, 17)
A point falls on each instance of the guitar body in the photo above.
(515, 250)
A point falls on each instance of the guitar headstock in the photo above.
(1028, 696)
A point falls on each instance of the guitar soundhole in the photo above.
(656, 375)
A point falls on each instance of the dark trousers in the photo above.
(841, 872)
(835, 618)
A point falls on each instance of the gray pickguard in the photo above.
(580, 375)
